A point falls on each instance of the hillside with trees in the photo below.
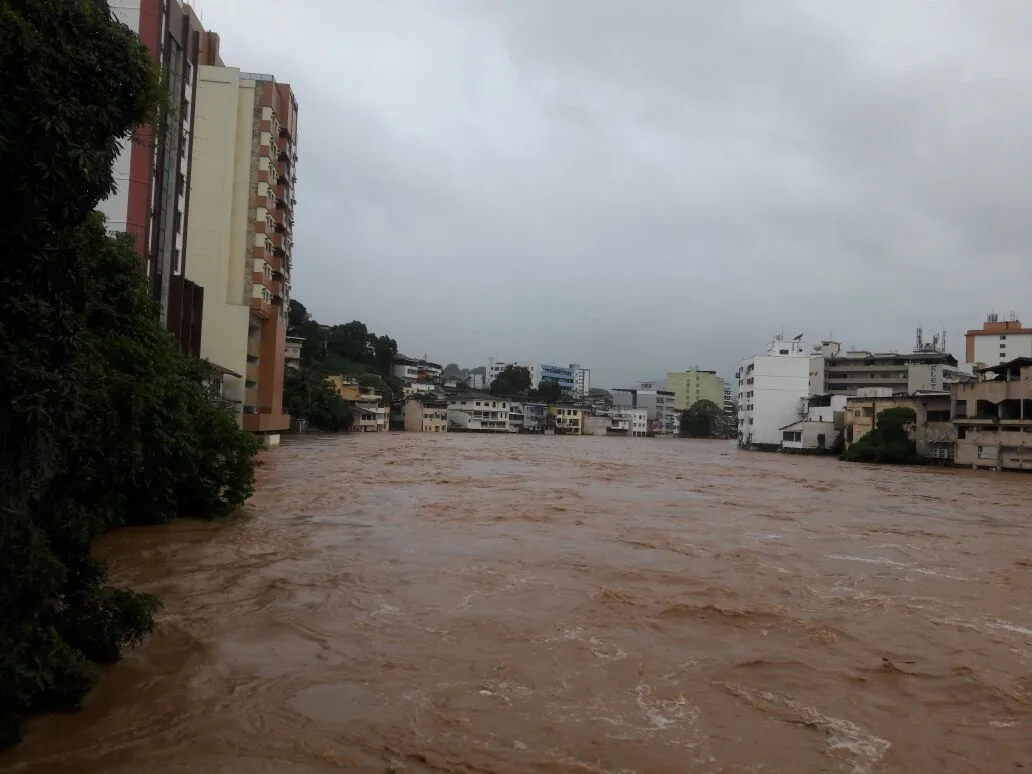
(103, 423)
(349, 349)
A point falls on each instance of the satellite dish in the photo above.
(798, 338)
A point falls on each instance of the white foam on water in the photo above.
(859, 747)
(893, 563)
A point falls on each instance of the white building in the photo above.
(729, 399)
(495, 367)
(820, 421)
(581, 380)
(770, 388)
(999, 341)
(412, 369)
(479, 412)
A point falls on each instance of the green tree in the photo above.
(889, 442)
(703, 419)
(307, 395)
(102, 421)
(511, 380)
(548, 392)
(297, 316)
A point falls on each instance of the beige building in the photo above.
(933, 432)
(426, 416)
(998, 341)
(568, 420)
(369, 415)
(241, 233)
(695, 385)
(993, 417)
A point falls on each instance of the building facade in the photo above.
(581, 381)
(567, 420)
(426, 416)
(241, 232)
(998, 341)
(484, 413)
(993, 417)
(694, 385)
(153, 169)
(928, 370)
(562, 376)
(770, 390)
(821, 420)
(932, 433)
(664, 419)
(410, 369)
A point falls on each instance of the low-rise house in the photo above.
(369, 418)
(369, 414)
(515, 417)
(632, 423)
(427, 415)
(821, 420)
(485, 413)
(932, 433)
(568, 420)
(993, 417)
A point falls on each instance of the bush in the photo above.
(889, 442)
(102, 422)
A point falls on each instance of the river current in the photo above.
(465, 603)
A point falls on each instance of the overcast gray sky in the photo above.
(642, 186)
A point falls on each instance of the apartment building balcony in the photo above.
(262, 307)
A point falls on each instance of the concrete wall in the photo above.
(779, 385)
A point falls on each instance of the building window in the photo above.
(960, 408)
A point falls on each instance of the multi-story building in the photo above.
(562, 376)
(567, 420)
(241, 232)
(933, 433)
(485, 413)
(581, 380)
(630, 422)
(997, 342)
(926, 369)
(426, 415)
(729, 404)
(770, 388)
(573, 379)
(369, 415)
(292, 352)
(152, 171)
(413, 369)
(495, 367)
(664, 419)
(694, 385)
(533, 419)
(993, 417)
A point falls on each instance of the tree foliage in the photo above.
(703, 419)
(308, 395)
(351, 350)
(511, 380)
(889, 442)
(102, 422)
(547, 392)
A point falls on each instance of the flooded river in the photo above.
(416, 603)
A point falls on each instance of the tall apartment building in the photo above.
(999, 341)
(694, 385)
(581, 380)
(771, 389)
(153, 170)
(241, 234)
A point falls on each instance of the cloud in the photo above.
(640, 187)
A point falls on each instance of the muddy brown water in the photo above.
(461, 603)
